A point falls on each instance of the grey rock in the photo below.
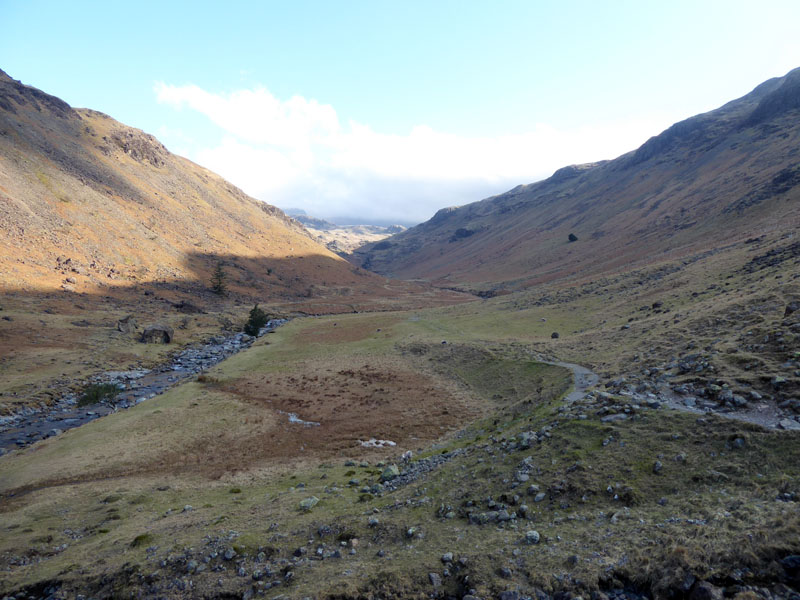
(158, 334)
(447, 557)
(657, 467)
(308, 503)
(703, 590)
(532, 536)
(789, 424)
(539, 497)
(127, 324)
(436, 579)
(390, 472)
(614, 417)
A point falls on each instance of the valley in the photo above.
(519, 416)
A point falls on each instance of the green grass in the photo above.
(648, 537)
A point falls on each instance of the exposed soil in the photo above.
(382, 399)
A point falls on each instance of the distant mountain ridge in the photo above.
(734, 171)
(343, 239)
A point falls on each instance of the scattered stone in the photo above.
(532, 536)
(436, 579)
(308, 503)
(554, 335)
(657, 467)
(447, 557)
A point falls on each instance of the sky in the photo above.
(384, 112)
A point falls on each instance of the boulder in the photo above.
(127, 324)
(703, 590)
(188, 308)
(158, 334)
(390, 472)
(308, 503)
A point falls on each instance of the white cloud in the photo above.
(296, 153)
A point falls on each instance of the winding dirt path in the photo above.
(764, 414)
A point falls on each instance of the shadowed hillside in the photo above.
(86, 202)
(728, 174)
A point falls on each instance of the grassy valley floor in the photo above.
(270, 474)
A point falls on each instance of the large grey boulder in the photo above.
(158, 334)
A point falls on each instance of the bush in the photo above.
(219, 284)
(572, 237)
(258, 318)
(97, 392)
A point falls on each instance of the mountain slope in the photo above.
(730, 173)
(76, 184)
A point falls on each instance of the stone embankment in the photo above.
(133, 387)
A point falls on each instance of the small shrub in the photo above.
(235, 490)
(97, 392)
(219, 284)
(258, 318)
(572, 237)
(461, 233)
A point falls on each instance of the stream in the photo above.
(135, 386)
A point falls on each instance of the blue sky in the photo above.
(387, 111)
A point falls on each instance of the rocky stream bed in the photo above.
(134, 387)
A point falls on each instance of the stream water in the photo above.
(135, 386)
